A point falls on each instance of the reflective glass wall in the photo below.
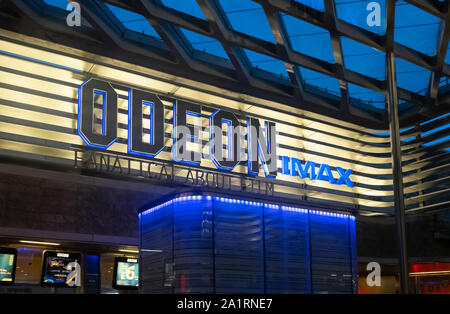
(210, 244)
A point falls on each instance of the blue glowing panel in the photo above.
(190, 7)
(206, 244)
(92, 264)
(248, 17)
(193, 246)
(322, 82)
(315, 4)
(238, 241)
(365, 98)
(363, 59)
(415, 28)
(267, 63)
(369, 15)
(331, 258)
(204, 43)
(287, 251)
(308, 39)
(412, 77)
(133, 21)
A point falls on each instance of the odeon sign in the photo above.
(261, 142)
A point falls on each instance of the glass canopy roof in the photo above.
(296, 35)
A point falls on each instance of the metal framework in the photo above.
(176, 56)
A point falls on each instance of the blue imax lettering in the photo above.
(294, 167)
(233, 139)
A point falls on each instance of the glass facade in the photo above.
(206, 244)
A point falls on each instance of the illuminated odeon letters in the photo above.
(233, 133)
(87, 118)
(260, 145)
(146, 134)
(182, 133)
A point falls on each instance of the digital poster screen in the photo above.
(61, 269)
(126, 273)
(8, 259)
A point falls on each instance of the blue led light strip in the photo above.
(248, 203)
(39, 61)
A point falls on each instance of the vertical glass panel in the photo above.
(309, 39)
(363, 59)
(316, 81)
(92, 275)
(238, 243)
(415, 28)
(156, 258)
(331, 258)
(107, 274)
(412, 77)
(266, 63)
(365, 98)
(193, 249)
(287, 251)
(368, 14)
(315, 4)
(190, 7)
(205, 43)
(248, 17)
(133, 21)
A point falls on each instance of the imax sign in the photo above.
(227, 142)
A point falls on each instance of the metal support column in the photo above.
(399, 201)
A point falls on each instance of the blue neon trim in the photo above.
(229, 135)
(211, 156)
(434, 119)
(103, 94)
(85, 140)
(40, 61)
(151, 105)
(193, 114)
(191, 198)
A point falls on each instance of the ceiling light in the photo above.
(38, 242)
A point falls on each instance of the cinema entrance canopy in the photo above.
(351, 91)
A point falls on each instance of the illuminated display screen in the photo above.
(61, 269)
(126, 273)
(8, 259)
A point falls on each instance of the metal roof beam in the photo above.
(233, 42)
(433, 7)
(101, 18)
(441, 50)
(178, 44)
(330, 10)
(284, 48)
